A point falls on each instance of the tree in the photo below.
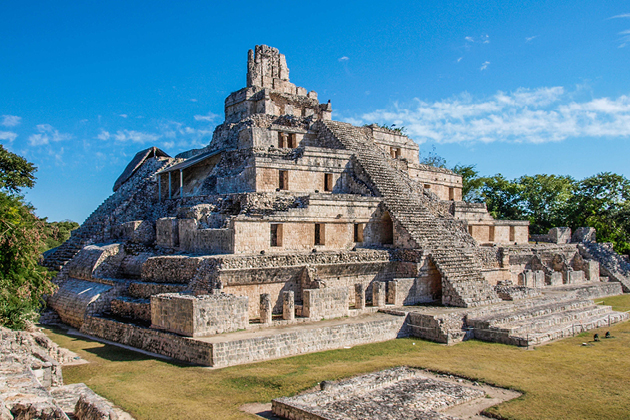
(433, 159)
(503, 197)
(545, 200)
(15, 172)
(22, 281)
(602, 201)
(471, 183)
(57, 233)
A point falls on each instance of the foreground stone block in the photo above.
(198, 316)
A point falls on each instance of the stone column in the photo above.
(392, 293)
(378, 294)
(265, 308)
(592, 270)
(359, 296)
(288, 305)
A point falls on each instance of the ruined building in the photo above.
(288, 217)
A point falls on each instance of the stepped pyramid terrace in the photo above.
(292, 233)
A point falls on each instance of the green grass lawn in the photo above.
(561, 380)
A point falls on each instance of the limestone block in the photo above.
(265, 308)
(359, 296)
(199, 316)
(592, 270)
(574, 277)
(167, 232)
(288, 305)
(584, 234)
(560, 235)
(555, 279)
(529, 278)
(329, 302)
(378, 294)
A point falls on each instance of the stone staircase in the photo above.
(611, 264)
(445, 240)
(135, 304)
(537, 321)
(134, 193)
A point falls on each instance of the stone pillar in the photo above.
(392, 293)
(265, 308)
(359, 296)
(288, 305)
(592, 270)
(378, 294)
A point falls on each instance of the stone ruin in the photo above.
(288, 218)
(31, 382)
(400, 393)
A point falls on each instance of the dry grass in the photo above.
(562, 380)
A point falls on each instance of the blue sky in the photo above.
(515, 87)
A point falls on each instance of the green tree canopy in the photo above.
(22, 281)
(15, 172)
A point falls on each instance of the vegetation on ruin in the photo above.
(600, 201)
(22, 236)
(57, 233)
(564, 379)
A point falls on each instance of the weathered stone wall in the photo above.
(307, 340)
(170, 269)
(167, 232)
(329, 302)
(160, 342)
(198, 316)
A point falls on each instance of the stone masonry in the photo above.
(287, 217)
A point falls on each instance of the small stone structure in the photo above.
(397, 393)
(199, 316)
(31, 382)
(287, 212)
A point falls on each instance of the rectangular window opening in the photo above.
(512, 233)
(427, 186)
(292, 141)
(328, 182)
(282, 140)
(283, 180)
(491, 234)
(319, 234)
(276, 235)
(358, 232)
(451, 194)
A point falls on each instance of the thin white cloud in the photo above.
(123, 115)
(484, 65)
(625, 38)
(10, 120)
(459, 59)
(625, 15)
(209, 117)
(526, 115)
(344, 58)
(47, 133)
(469, 39)
(530, 38)
(134, 136)
(8, 136)
(103, 135)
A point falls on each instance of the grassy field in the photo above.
(561, 380)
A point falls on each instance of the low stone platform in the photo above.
(252, 346)
(398, 393)
(561, 311)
